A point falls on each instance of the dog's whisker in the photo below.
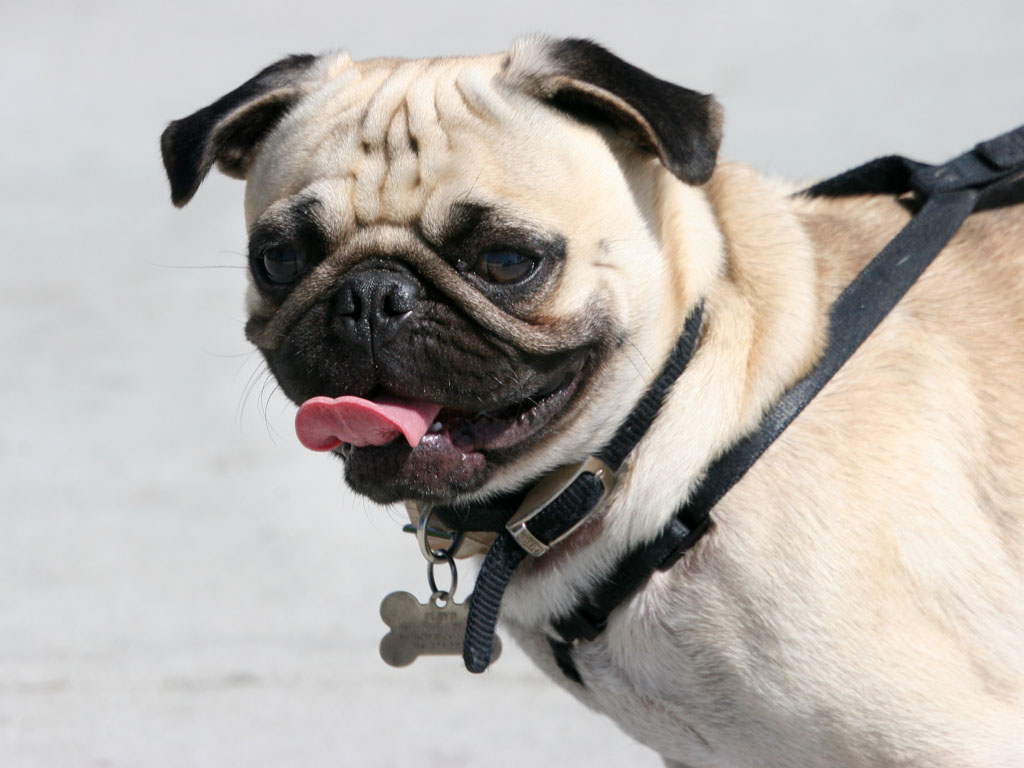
(246, 359)
(232, 356)
(250, 386)
(195, 266)
(646, 362)
(265, 399)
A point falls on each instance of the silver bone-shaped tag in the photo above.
(419, 629)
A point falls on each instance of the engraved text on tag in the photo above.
(419, 629)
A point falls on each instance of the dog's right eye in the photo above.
(504, 266)
(283, 264)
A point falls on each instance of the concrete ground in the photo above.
(181, 585)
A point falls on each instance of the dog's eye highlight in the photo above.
(503, 266)
(283, 264)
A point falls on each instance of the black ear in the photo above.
(682, 127)
(230, 130)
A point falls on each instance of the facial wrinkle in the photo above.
(480, 96)
(378, 152)
(402, 192)
(535, 338)
(424, 124)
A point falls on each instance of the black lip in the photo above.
(460, 456)
(505, 428)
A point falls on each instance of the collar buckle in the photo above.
(545, 492)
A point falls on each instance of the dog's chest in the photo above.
(679, 700)
(674, 676)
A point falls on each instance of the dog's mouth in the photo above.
(398, 447)
(504, 427)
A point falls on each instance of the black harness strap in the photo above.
(950, 193)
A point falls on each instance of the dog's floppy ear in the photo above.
(682, 127)
(230, 130)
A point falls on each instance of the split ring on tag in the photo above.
(423, 531)
(437, 594)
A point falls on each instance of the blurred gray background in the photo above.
(180, 583)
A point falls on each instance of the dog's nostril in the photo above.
(348, 304)
(400, 299)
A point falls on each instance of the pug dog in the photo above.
(466, 271)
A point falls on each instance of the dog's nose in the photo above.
(371, 304)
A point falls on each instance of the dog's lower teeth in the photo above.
(435, 428)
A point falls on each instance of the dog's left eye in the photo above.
(501, 266)
(283, 264)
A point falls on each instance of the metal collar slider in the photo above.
(549, 490)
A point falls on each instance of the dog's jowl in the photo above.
(466, 273)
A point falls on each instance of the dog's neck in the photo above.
(746, 359)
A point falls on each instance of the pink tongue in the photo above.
(323, 423)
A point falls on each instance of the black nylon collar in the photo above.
(949, 194)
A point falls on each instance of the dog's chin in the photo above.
(462, 450)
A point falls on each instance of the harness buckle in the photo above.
(546, 491)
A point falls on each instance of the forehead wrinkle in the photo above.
(388, 99)
(402, 191)
(453, 111)
(425, 128)
(386, 169)
(322, 103)
(360, 127)
(342, 107)
(415, 106)
(339, 142)
(349, 89)
(480, 94)
(321, 125)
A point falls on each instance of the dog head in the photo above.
(476, 244)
